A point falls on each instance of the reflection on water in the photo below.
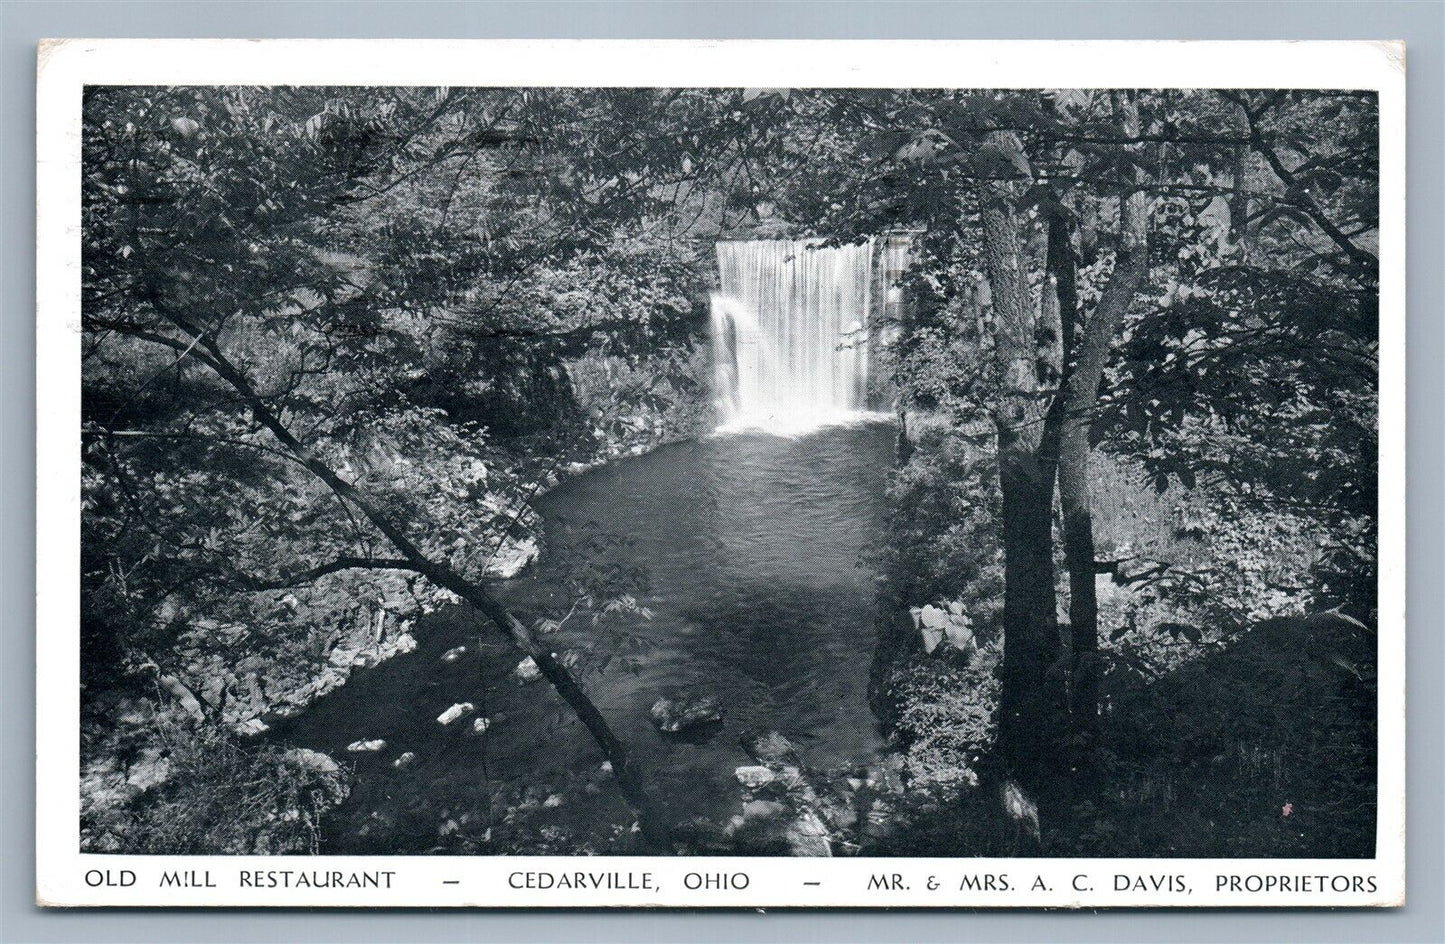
(753, 548)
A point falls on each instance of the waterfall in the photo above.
(790, 333)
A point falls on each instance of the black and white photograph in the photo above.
(748, 472)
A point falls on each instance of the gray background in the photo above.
(22, 23)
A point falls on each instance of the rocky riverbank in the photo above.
(228, 680)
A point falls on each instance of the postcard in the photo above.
(721, 474)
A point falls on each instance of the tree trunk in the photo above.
(1075, 499)
(1080, 404)
(1032, 705)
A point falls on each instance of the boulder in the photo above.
(313, 760)
(406, 759)
(790, 777)
(767, 825)
(763, 809)
(754, 777)
(672, 715)
(933, 618)
(480, 725)
(770, 747)
(808, 836)
(366, 747)
(959, 633)
(452, 655)
(527, 670)
(456, 712)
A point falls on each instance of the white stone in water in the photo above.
(252, 726)
(366, 747)
(452, 655)
(459, 710)
(404, 760)
(314, 760)
(754, 777)
(480, 725)
(527, 670)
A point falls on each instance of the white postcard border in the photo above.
(66, 877)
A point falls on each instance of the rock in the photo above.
(552, 802)
(313, 760)
(405, 760)
(1019, 807)
(955, 607)
(885, 779)
(151, 768)
(763, 809)
(527, 670)
(932, 636)
(790, 777)
(251, 727)
(366, 747)
(177, 690)
(480, 725)
(754, 777)
(452, 655)
(841, 815)
(769, 825)
(808, 836)
(959, 633)
(933, 618)
(455, 712)
(1106, 590)
(678, 714)
(770, 747)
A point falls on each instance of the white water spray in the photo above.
(790, 334)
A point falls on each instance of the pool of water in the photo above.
(753, 550)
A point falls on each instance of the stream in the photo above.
(760, 593)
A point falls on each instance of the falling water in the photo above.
(790, 333)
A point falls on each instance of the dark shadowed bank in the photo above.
(1235, 725)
